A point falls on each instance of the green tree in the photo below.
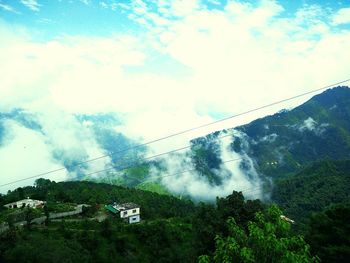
(267, 239)
(29, 216)
(47, 215)
(329, 234)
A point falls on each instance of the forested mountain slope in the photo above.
(285, 142)
(315, 188)
(318, 129)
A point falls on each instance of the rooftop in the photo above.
(25, 201)
(125, 206)
(130, 205)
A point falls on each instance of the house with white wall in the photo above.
(26, 203)
(127, 211)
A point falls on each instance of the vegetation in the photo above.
(329, 233)
(315, 188)
(267, 239)
(153, 187)
(286, 142)
(153, 205)
(172, 230)
(233, 229)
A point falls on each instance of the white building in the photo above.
(128, 211)
(287, 219)
(26, 203)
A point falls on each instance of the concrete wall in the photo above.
(130, 212)
(134, 219)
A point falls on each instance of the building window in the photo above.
(125, 213)
(134, 211)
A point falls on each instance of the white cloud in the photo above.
(309, 124)
(25, 154)
(32, 5)
(61, 142)
(240, 57)
(123, 6)
(86, 2)
(182, 8)
(103, 4)
(342, 16)
(233, 176)
(269, 138)
(8, 8)
(246, 46)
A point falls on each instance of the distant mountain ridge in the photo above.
(315, 130)
(283, 143)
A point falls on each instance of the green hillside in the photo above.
(171, 230)
(281, 144)
(318, 129)
(313, 189)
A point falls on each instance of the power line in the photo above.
(182, 132)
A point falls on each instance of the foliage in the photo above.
(172, 230)
(282, 143)
(267, 239)
(329, 234)
(152, 205)
(153, 187)
(313, 189)
(210, 221)
(205, 154)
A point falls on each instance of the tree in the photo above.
(47, 215)
(29, 216)
(20, 193)
(268, 239)
(235, 206)
(329, 234)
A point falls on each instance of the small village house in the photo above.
(26, 203)
(130, 212)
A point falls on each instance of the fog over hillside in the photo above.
(85, 79)
(246, 158)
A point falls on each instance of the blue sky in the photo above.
(52, 18)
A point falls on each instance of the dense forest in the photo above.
(315, 188)
(172, 230)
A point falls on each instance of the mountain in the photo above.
(318, 129)
(266, 149)
(283, 143)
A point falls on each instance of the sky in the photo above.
(167, 66)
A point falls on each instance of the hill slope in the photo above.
(313, 189)
(318, 129)
(282, 143)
